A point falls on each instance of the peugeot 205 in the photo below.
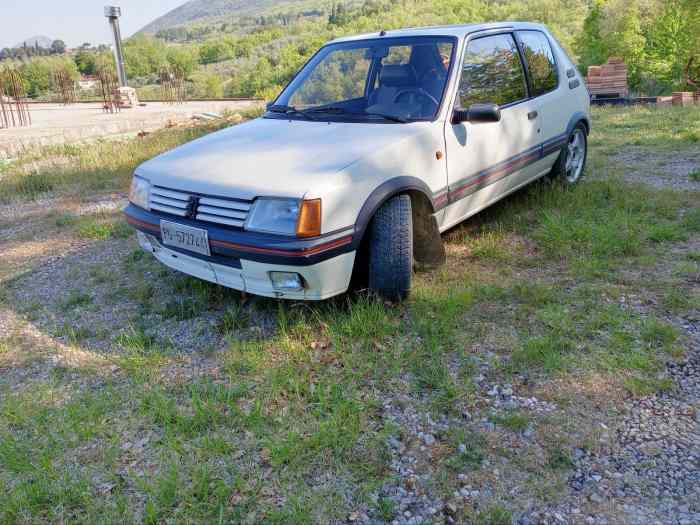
(379, 144)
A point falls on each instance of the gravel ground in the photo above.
(661, 170)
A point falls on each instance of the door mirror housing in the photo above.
(477, 113)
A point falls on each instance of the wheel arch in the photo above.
(427, 243)
(577, 117)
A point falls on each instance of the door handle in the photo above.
(532, 115)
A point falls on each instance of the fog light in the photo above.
(154, 243)
(144, 242)
(286, 281)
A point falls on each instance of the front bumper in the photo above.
(244, 261)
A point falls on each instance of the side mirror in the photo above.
(477, 113)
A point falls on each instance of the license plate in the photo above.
(185, 237)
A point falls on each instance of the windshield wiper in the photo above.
(385, 116)
(289, 110)
(338, 109)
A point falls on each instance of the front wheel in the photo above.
(391, 249)
(572, 160)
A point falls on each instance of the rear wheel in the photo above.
(572, 160)
(391, 249)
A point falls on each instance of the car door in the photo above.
(549, 97)
(487, 160)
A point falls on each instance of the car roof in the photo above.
(459, 30)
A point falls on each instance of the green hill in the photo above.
(253, 47)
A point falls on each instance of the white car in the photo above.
(376, 146)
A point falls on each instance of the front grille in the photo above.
(231, 212)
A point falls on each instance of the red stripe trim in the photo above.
(335, 243)
(501, 171)
(136, 222)
(290, 253)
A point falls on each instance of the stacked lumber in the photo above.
(683, 98)
(610, 79)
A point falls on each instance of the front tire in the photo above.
(572, 159)
(391, 249)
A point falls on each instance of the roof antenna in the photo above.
(382, 33)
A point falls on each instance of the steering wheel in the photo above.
(420, 92)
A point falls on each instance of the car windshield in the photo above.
(378, 80)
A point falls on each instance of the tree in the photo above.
(589, 45)
(58, 47)
(85, 60)
(143, 56)
(181, 58)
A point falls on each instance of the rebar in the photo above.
(108, 88)
(172, 85)
(65, 87)
(14, 109)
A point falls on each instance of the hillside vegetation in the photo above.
(658, 39)
(252, 48)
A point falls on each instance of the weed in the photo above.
(74, 334)
(694, 175)
(76, 299)
(691, 220)
(666, 232)
(100, 274)
(136, 340)
(494, 515)
(65, 219)
(99, 229)
(559, 459)
(546, 352)
(470, 449)
(491, 246)
(235, 318)
(386, 509)
(28, 186)
(676, 300)
(514, 421)
(645, 386)
(658, 334)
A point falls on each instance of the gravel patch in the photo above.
(648, 472)
(660, 169)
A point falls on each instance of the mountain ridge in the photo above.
(196, 10)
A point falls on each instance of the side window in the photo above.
(492, 72)
(540, 61)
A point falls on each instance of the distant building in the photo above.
(88, 82)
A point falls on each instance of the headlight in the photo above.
(139, 192)
(274, 216)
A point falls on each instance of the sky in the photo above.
(74, 21)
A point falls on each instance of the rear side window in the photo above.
(492, 72)
(540, 61)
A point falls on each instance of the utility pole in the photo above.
(113, 13)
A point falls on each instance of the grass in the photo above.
(285, 418)
(514, 421)
(694, 175)
(104, 165)
(76, 299)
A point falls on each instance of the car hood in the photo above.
(273, 157)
